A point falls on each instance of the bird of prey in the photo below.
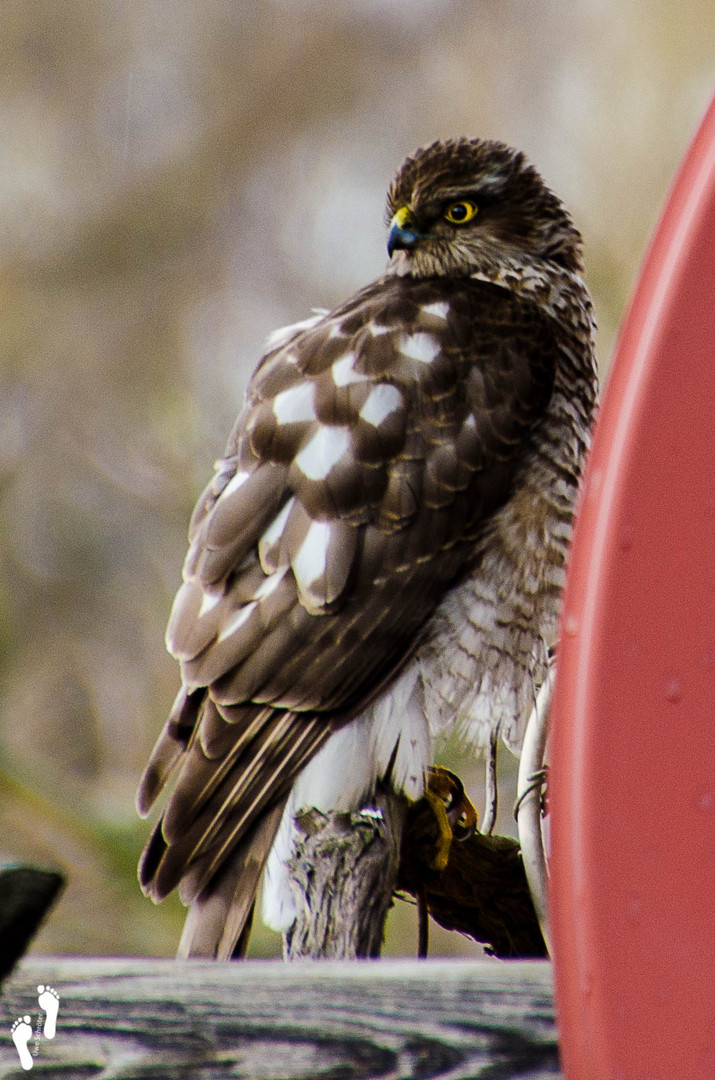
(379, 556)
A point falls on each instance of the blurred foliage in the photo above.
(176, 180)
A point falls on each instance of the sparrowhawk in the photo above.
(379, 556)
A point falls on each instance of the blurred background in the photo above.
(177, 180)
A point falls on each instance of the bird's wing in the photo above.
(373, 447)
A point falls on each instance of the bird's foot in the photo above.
(455, 814)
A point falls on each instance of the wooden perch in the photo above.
(343, 875)
(348, 866)
(482, 892)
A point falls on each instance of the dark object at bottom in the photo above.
(482, 892)
(26, 895)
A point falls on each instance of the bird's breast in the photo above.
(487, 643)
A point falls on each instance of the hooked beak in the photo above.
(401, 235)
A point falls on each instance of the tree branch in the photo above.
(482, 892)
(347, 867)
(343, 875)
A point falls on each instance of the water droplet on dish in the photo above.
(570, 625)
(634, 907)
(626, 541)
(673, 688)
(706, 801)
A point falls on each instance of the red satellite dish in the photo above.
(632, 788)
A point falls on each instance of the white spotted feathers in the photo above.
(422, 347)
(335, 427)
(379, 555)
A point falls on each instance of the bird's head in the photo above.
(468, 205)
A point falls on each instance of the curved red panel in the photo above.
(632, 789)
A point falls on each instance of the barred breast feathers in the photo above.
(487, 652)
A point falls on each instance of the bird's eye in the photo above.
(459, 213)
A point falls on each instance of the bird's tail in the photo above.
(219, 919)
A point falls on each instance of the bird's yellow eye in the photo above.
(459, 213)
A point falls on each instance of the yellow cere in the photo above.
(461, 212)
(400, 216)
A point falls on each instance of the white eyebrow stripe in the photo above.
(323, 451)
(421, 347)
(382, 400)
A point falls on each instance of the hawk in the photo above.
(379, 556)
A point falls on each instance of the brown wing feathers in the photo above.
(371, 449)
(217, 800)
(221, 914)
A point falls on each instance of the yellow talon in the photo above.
(444, 840)
(456, 816)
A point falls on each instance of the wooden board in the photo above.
(394, 1020)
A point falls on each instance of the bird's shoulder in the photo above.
(396, 371)
(373, 443)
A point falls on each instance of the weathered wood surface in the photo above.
(342, 877)
(327, 1020)
(482, 891)
(347, 865)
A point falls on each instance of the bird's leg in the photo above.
(492, 794)
(422, 922)
(444, 839)
(456, 817)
